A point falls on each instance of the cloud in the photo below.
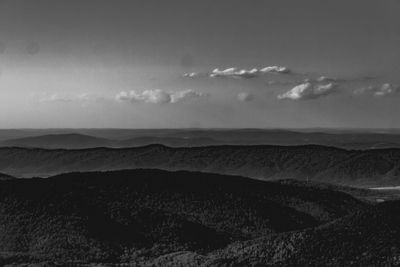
(344, 79)
(185, 95)
(326, 79)
(243, 73)
(148, 96)
(62, 97)
(275, 69)
(245, 97)
(56, 98)
(235, 73)
(381, 90)
(308, 90)
(239, 73)
(158, 96)
(191, 74)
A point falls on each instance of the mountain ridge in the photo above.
(370, 168)
(52, 138)
(68, 140)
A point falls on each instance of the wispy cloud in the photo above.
(309, 90)
(240, 73)
(235, 73)
(148, 96)
(378, 91)
(327, 79)
(185, 95)
(158, 96)
(191, 75)
(65, 97)
(275, 69)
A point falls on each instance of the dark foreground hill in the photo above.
(367, 238)
(348, 167)
(150, 216)
(5, 177)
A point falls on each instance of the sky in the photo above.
(199, 63)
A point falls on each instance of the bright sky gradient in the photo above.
(102, 63)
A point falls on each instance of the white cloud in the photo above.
(308, 90)
(149, 96)
(242, 73)
(191, 74)
(64, 97)
(158, 96)
(235, 73)
(275, 69)
(326, 79)
(185, 95)
(248, 73)
(245, 97)
(381, 90)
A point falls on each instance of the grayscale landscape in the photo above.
(199, 133)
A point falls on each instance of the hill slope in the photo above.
(349, 167)
(366, 238)
(140, 215)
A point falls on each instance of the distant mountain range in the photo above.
(159, 218)
(378, 167)
(78, 139)
(71, 141)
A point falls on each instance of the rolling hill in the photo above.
(146, 216)
(372, 168)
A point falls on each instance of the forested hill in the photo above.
(136, 216)
(348, 167)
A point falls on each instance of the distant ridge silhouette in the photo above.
(89, 138)
(71, 141)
